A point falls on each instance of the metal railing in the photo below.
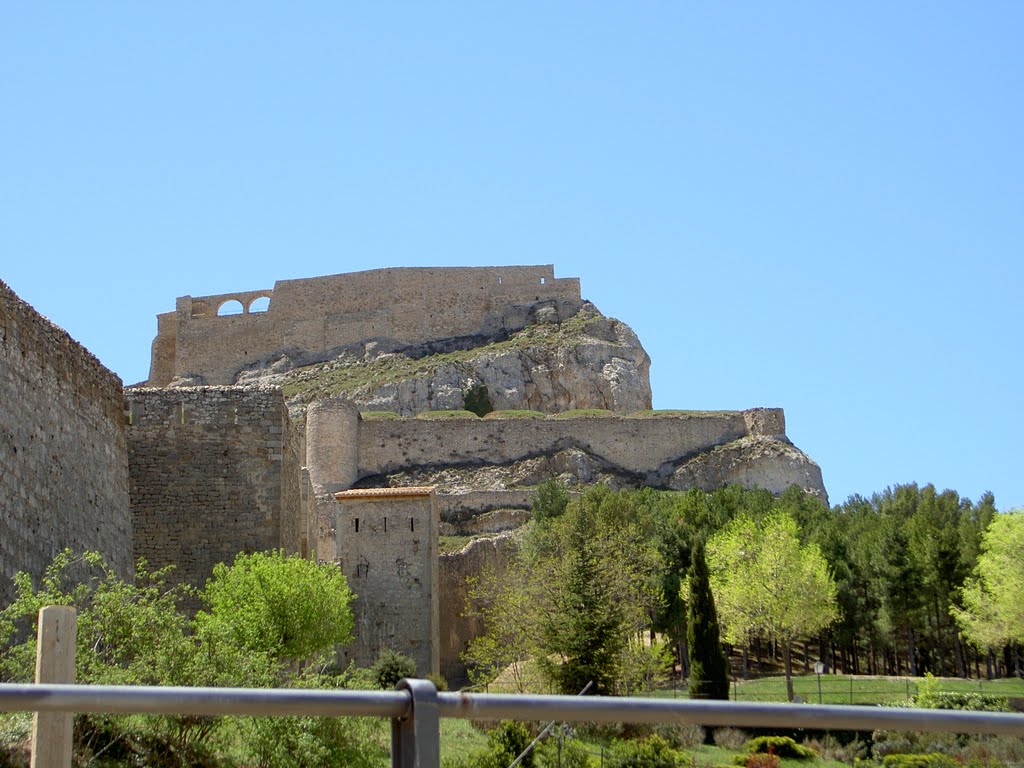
(415, 707)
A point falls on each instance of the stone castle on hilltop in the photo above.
(327, 417)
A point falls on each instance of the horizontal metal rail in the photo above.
(415, 707)
(493, 706)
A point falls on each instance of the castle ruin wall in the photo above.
(214, 471)
(63, 456)
(640, 445)
(316, 315)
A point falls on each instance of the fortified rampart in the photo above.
(643, 446)
(63, 459)
(311, 317)
(215, 471)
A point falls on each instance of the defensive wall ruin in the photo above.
(313, 316)
(63, 457)
(215, 471)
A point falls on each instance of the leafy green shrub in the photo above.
(686, 736)
(550, 500)
(652, 752)
(569, 753)
(283, 606)
(930, 697)
(917, 760)
(783, 746)
(729, 738)
(439, 682)
(583, 413)
(508, 741)
(477, 400)
(390, 667)
(515, 414)
(432, 415)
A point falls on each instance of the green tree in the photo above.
(993, 601)
(709, 669)
(582, 636)
(550, 500)
(764, 581)
(284, 607)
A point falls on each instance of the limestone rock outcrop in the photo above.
(587, 361)
(759, 461)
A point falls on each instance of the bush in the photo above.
(508, 741)
(730, 738)
(583, 413)
(431, 415)
(652, 752)
(390, 667)
(685, 736)
(477, 400)
(783, 746)
(570, 753)
(515, 414)
(930, 760)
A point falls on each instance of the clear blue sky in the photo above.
(814, 205)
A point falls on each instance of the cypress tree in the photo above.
(709, 669)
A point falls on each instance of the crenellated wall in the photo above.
(63, 459)
(215, 471)
(316, 315)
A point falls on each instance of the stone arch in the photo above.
(259, 304)
(230, 307)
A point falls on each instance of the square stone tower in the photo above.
(385, 541)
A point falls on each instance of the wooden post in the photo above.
(55, 663)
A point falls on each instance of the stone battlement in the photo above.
(313, 316)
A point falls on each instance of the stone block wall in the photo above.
(63, 458)
(215, 471)
(316, 315)
(385, 542)
(640, 445)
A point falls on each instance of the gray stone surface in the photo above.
(63, 459)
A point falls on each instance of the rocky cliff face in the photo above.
(581, 362)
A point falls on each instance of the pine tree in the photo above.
(709, 669)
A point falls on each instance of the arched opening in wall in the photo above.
(230, 307)
(262, 304)
(543, 281)
(500, 279)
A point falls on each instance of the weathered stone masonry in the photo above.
(63, 460)
(406, 305)
(385, 541)
(215, 471)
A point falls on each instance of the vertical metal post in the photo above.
(416, 738)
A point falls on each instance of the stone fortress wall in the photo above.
(643, 446)
(215, 471)
(385, 542)
(406, 305)
(63, 457)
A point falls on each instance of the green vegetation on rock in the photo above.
(582, 413)
(320, 380)
(434, 415)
